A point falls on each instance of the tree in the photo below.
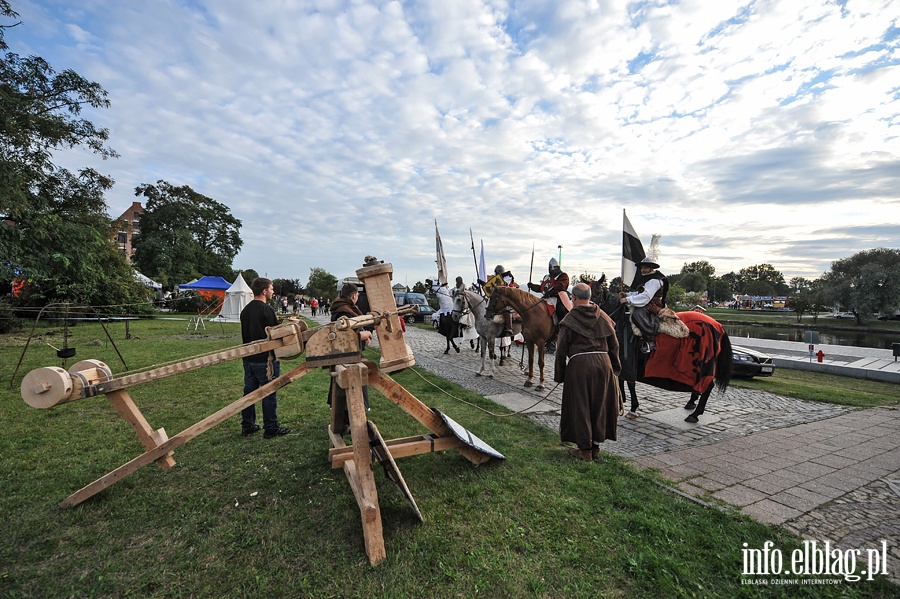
(719, 289)
(55, 233)
(762, 273)
(321, 283)
(866, 283)
(419, 287)
(700, 267)
(676, 296)
(249, 275)
(287, 287)
(184, 235)
(693, 281)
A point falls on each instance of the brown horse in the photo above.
(537, 324)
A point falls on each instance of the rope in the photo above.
(545, 398)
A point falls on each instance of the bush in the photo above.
(9, 322)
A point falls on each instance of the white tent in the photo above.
(236, 297)
(147, 281)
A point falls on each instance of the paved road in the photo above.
(824, 471)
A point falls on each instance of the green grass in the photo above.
(827, 388)
(248, 517)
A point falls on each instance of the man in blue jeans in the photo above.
(261, 368)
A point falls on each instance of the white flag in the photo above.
(441, 259)
(482, 274)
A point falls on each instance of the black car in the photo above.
(748, 363)
(422, 314)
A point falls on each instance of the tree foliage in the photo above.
(866, 283)
(700, 267)
(321, 283)
(184, 235)
(761, 279)
(55, 233)
(289, 287)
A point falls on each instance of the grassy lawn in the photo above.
(248, 516)
(827, 388)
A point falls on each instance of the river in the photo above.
(874, 340)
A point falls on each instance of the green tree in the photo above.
(55, 233)
(719, 290)
(693, 281)
(419, 287)
(287, 287)
(249, 275)
(866, 283)
(700, 267)
(676, 296)
(321, 283)
(751, 276)
(184, 235)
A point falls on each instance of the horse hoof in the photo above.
(690, 406)
(631, 415)
(528, 383)
(539, 388)
(490, 376)
(477, 374)
(692, 419)
(457, 349)
(447, 351)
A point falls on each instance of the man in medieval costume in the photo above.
(587, 364)
(501, 278)
(446, 325)
(554, 288)
(649, 297)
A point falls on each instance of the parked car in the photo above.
(843, 315)
(423, 314)
(748, 363)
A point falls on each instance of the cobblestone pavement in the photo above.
(826, 472)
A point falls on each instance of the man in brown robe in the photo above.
(587, 363)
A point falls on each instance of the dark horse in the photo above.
(537, 324)
(694, 364)
(448, 327)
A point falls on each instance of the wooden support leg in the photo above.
(410, 404)
(359, 470)
(148, 437)
(183, 437)
(338, 408)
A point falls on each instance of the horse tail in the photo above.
(724, 363)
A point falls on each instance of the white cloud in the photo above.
(743, 132)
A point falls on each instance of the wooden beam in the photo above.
(399, 448)
(410, 404)
(183, 437)
(149, 438)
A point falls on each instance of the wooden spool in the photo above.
(50, 386)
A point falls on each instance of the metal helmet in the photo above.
(459, 281)
(553, 263)
(499, 270)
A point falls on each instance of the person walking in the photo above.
(587, 364)
(260, 369)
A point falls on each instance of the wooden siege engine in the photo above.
(335, 345)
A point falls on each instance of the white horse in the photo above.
(489, 329)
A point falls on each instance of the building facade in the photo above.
(129, 226)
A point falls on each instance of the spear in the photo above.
(531, 270)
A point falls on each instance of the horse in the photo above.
(537, 324)
(696, 363)
(489, 328)
(448, 325)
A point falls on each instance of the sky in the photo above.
(740, 132)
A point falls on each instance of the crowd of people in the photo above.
(587, 360)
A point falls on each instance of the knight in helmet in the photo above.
(554, 286)
(501, 278)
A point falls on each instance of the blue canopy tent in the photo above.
(212, 289)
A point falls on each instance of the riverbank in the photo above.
(822, 322)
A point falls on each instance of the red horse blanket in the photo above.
(691, 360)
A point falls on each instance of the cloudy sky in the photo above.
(742, 132)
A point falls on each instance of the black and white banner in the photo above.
(632, 251)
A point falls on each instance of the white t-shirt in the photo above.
(639, 299)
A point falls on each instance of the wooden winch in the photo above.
(335, 345)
